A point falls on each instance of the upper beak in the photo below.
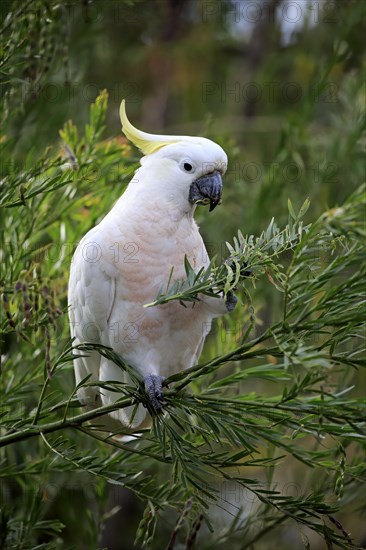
(206, 189)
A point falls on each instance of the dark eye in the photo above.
(187, 165)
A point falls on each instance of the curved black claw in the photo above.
(154, 389)
(231, 301)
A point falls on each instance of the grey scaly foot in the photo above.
(154, 389)
(231, 301)
(244, 272)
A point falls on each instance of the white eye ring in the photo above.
(187, 166)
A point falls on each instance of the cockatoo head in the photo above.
(189, 167)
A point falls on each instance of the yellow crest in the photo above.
(147, 143)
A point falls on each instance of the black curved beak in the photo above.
(206, 190)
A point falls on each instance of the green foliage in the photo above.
(249, 257)
(211, 432)
(268, 430)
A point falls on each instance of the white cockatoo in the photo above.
(122, 264)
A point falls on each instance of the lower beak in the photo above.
(207, 190)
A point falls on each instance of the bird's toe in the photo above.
(154, 389)
(231, 301)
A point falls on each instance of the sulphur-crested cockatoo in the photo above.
(122, 264)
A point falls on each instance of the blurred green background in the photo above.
(279, 84)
